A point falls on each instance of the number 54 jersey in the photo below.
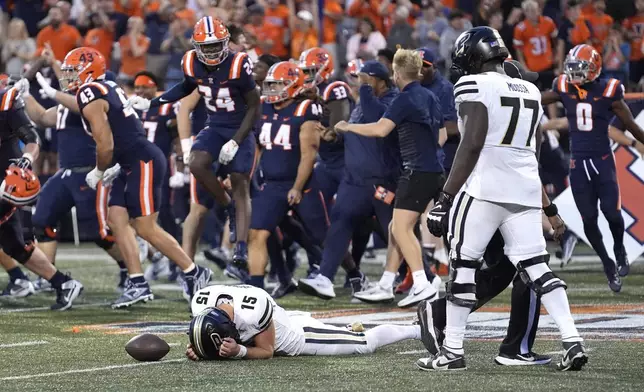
(507, 170)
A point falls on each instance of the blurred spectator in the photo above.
(304, 35)
(101, 37)
(482, 14)
(238, 42)
(600, 23)
(332, 15)
(176, 44)
(574, 30)
(533, 41)
(506, 31)
(157, 23)
(262, 35)
(388, 13)
(181, 11)
(221, 9)
(133, 46)
(457, 25)
(367, 41)
(401, 32)
(59, 35)
(386, 57)
(615, 55)
(634, 29)
(277, 16)
(130, 7)
(117, 19)
(587, 8)
(18, 48)
(31, 12)
(428, 30)
(261, 67)
(369, 9)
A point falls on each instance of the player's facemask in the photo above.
(70, 78)
(275, 91)
(577, 71)
(311, 76)
(212, 53)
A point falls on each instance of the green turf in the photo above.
(614, 365)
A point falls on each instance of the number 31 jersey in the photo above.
(222, 87)
(507, 170)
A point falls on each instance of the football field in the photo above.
(83, 349)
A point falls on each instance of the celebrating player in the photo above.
(495, 182)
(590, 103)
(136, 190)
(250, 325)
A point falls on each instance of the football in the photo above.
(147, 347)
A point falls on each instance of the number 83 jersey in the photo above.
(507, 170)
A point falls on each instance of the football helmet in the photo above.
(207, 332)
(20, 187)
(475, 47)
(583, 64)
(317, 65)
(81, 65)
(210, 39)
(283, 81)
(353, 68)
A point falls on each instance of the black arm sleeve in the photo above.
(21, 126)
(178, 91)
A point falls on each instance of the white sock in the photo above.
(135, 275)
(455, 327)
(189, 269)
(387, 280)
(383, 335)
(420, 279)
(556, 303)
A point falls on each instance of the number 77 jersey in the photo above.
(223, 88)
(507, 170)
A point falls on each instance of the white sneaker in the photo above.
(319, 286)
(417, 294)
(437, 282)
(376, 294)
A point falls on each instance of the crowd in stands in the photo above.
(145, 34)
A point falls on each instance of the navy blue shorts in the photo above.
(211, 141)
(67, 189)
(593, 180)
(327, 179)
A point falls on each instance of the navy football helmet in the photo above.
(475, 47)
(207, 332)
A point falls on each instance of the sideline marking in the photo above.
(21, 344)
(97, 369)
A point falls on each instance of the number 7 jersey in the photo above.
(507, 170)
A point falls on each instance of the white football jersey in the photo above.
(507, 170)
(254, 310)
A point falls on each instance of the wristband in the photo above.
(186, 145)
(98, 173)
(634, 143)
(29, 157)
(551, 210)
(242, 352)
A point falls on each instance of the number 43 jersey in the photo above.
(507, 170)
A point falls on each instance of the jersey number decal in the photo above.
(87, 95)
(249, 302)
(282, 138)
(223, 100)
(515, 104)
(316, 108)
(202, 299)
(61, 118)
(151, 129)
(584, 116)
(539, 45)
(340, 93)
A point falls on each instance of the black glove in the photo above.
(22, 162)
(438, 216)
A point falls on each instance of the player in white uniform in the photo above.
(495, 179)
(266, 329)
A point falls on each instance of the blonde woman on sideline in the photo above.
(18, 49)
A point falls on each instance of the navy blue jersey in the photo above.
(76, 147)
(39, 94)
(637, 108)
(444, 91)
(280, 138)
(159, 124)
(332, 153)
(130, 142)
(416, 113)
(198, 117)
(223, 87)
(589, 111)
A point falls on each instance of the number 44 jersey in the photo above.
(507, 170)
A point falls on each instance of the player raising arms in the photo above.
(225, 80)
(136, 190)
(590, 104)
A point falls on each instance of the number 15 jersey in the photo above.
(507, 170)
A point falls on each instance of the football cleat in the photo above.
(359, 283)
(446, 360)
(615, 283)
(68, 292)
(133, 294)
(574, 358)
(427, 330)
(568, 243)
(42, 285)
(376, 294)
(195, 282)
(159, 267)
(529, 359)
(175, 274)
(19, 288)
(284, 289)
(122, 281)
(217, 256)
(317, 285)
(417, 294)
(232, 223)
(623, 266)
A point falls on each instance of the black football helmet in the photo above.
(475, 47)
(207, 332)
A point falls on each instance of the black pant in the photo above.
(490, 282)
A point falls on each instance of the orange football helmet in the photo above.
(4, 81)
(20, 187)
(353, 68)
(583, 64)
(283, 81)
(81, 65)
(317, 65)
(210, 39)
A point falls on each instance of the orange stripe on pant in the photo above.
(194, 198)
(145, 188)
(100, 212)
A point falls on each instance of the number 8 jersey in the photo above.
(507, 170)
(589, 111)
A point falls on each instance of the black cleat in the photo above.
(120, 287)
(615, 283)
(568, 243)
(217, 256)
(623, 266)
(359, 283)
(284, 289)
(574, 358)
(529, 359)
(445, 360)
(66, 295)
(427, 330)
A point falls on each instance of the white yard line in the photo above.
(21, 344)
(413, 352)
(90, 370)
(41, 308)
